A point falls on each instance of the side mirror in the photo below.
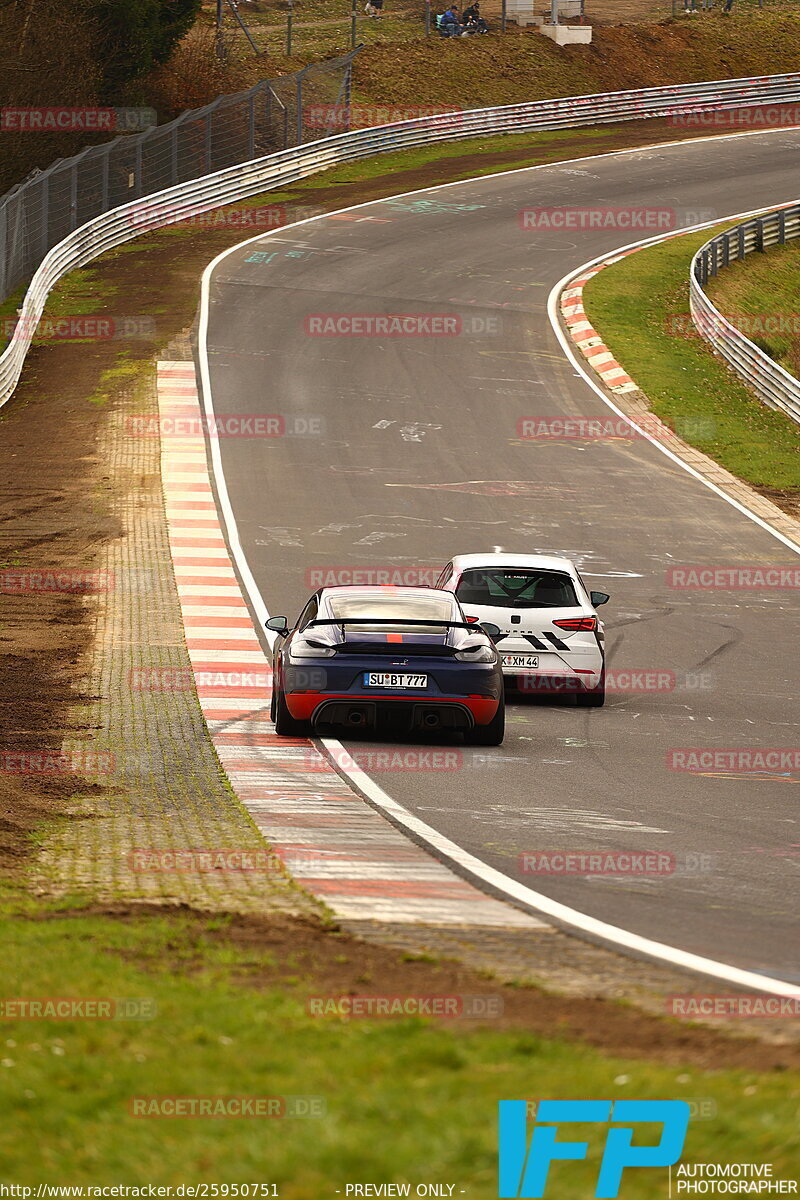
(489, 628)
(278, 625)
(598, 598)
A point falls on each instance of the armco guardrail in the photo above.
(774, 385)
(275, 170)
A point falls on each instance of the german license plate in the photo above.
(520, 660)
(396, 681)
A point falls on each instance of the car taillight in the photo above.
(473, 620)
(578, 624)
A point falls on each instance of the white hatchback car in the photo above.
(551, 639)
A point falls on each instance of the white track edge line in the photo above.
(476, 869)
(577, 361)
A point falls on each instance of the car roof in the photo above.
(547, 561)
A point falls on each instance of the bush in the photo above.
(135, 36)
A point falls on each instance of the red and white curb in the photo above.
(338, 847)
(587, 339)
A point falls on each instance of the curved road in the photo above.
(419, 458)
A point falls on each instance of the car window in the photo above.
(445, 577)
(509, 587)
(410, 608)
(309, 613)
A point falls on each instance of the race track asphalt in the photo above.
(412, 454)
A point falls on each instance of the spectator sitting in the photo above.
(473, 21)
(450, 25)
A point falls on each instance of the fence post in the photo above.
(104, 173)
(713, 249)
(299, 105)
(428, 17)
(760, 235)
(137, 171)
(73, 197)
(726, 250)
(3, 247)
(782, 228)
(251, 127)
(208, 143)
(45, 214)
(346, 91)
(740, 239)
(173, 155)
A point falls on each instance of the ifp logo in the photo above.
(524, 1169)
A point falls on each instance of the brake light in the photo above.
(472, 620)
(578, 624)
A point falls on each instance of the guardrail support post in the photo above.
(726, 250)
(781, 228)
(740, 239)
(713, 249)
(760, 235)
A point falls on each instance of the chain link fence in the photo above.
(41, 211)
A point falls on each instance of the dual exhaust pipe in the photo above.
(357, 719)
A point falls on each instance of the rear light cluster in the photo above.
(578, 624)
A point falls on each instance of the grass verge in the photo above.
(640, 308)
(760, 296)
(404, 1099)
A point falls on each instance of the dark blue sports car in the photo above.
(380, 658)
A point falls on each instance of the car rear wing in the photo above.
(392, 621)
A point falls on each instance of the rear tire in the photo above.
(285, 724)
(595, 698)
(491, 734)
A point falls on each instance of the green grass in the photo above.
(640, 307)
(765, 286)
(406, 1099)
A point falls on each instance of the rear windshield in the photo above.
(409, 608)
(507, 587)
